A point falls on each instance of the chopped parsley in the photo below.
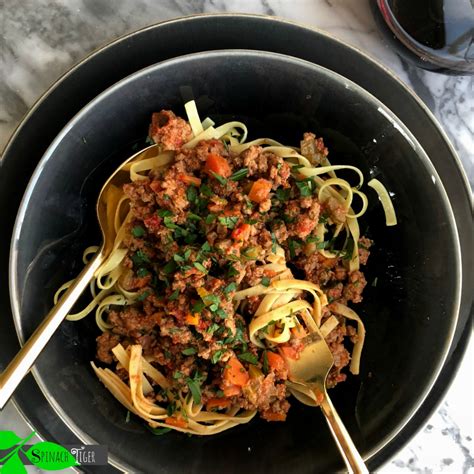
(232, 271)
(164, 213)
(174, 295)
(265, 362)
(210, 218)
(143, 295)
(306, 187)
(189, 351)
(219, 178)
(200, 267)
(139, 258)
(159, 431)
(229, 221)
(230, 287)
(195, 390)
(322, 245)
(274, 242)
(265, 281)
(142, 272)
(170, 267)
(282, 194)
(240, 174)
(138, 231)
(192, 194)
(216, 357)
(205, 190)
(248, 357)
(198, 307)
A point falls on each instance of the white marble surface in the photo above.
(41, 39)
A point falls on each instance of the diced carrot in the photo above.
(260, 190)
(231, 390)
(271, 416)
(192, 319)
(234, 373)
(289, 352)
(185, 178)
(241, 232)
(178, 422)
(275, 361)
(218, 403)
(299, 332)
(217, 164)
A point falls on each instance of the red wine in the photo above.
(434, 34)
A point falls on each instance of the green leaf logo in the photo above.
(13, 466)
(50, 456)
(8, 439)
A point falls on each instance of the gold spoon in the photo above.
(307, 383)
(26, 357)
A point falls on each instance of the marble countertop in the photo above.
(41, 39)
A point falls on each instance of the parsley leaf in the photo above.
(240, 174)
(200, 267)
(158, 431)
(164, 212)
(219, 178)
(216, 356)
(189, 351)
(230, 287)
(138, 231)
(210, 218)
(174, 295)
(265, 281)
(194, 389)
(248, 357)
(140, 257)
(191, 194)
(282, 194)
(229, 221)
(142, 272)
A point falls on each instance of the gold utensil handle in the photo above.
(354, 462)
(26, 357)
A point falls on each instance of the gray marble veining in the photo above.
(42, 39)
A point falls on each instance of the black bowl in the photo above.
(410, 314)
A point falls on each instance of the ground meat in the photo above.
(196, 236)
(132, 322)
(313, 148)
(105, 343)
(364, 246)
(169, 131)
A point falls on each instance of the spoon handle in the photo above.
(354, 462)
(26, 357)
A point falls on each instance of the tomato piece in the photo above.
(241, 232)
(217, 164)
(231, 390)
(298, 332)
(275, 361)
(177, 422)
(189, 180)
(152, 223)
(218, 403)
(260, 190)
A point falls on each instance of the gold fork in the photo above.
(307, 383)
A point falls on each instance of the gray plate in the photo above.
(227, 32)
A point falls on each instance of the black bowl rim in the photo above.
(388, 114)
(274, 19)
